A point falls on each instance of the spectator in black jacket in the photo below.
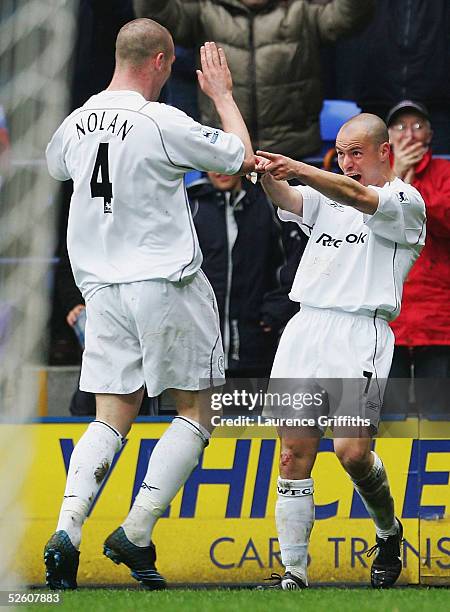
(406, 51)
(99, 22)
(242, 251)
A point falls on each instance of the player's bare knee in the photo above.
(120, 423)
(118, 411)
(287, 464)
(354, 459)
(287, 458)
(196, 405)
(295, 462)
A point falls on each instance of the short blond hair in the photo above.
(140, 39)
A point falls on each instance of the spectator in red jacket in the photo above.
(422, 330)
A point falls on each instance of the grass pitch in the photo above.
(319, 599)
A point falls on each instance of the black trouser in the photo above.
(429, 368)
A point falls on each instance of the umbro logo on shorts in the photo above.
(372, 405)
(220, 364)
(327, 240)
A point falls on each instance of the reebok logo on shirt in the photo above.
(327, 240)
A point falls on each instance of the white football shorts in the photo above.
(346, 356)
(163, 334)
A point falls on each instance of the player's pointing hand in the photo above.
(261, 164)
(280, 167)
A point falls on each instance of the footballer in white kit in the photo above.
(129, 222)
(365, 231)
(349, 283)
(151, 314)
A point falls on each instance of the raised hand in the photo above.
(215, 77)
(278, 166)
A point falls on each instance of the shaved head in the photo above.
(141, 39)
(367, 126)
(362, 147)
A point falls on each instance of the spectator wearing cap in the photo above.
(422, 330)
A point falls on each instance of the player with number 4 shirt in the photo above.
(151, 314)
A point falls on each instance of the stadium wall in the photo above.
(220, 527)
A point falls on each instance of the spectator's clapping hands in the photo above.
(215, 77)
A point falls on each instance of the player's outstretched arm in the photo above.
(215, 81)
(340, 188)
(280, 192)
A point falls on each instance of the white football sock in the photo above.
(294, 517)
(376, 495)
(171, 463)
(90, 461)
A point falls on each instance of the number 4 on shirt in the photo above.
(103, 188)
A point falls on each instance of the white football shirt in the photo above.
(356, 262)
(129, 216)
